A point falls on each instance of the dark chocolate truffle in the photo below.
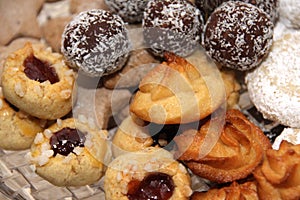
(96, 41)
(131, 11)
(269, 6)
(172, 25)
(238, 35)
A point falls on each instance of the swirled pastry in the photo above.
(245, 191)
(226, 154)
(177, 92)
(278, 177)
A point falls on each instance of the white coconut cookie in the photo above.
(70, 153)
(38, 82)
(291, 135)
(17, 129)
(274, 87)
(129, 176)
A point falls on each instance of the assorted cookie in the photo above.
(238, 35)
(38, 82)
(17, 128)
(96, 41)
(151, 173)
(274, 86)
(179, 122)
(70, 153)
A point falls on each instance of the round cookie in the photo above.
(38, 82)
(290, 13)
(269, 6)
(70, 153)
(132, 135)
(180, 91)
(96, 41)
(17, 129)
(274, 87)
(129, 175)
(238, 35)
(131, 11)
(173, 25)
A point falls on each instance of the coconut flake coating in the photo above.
(131, 11)
(269, 6)
(172, 25)
(96, 41)
(238, 35)
(274, 87)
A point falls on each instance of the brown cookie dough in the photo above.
(19, 18)
(77, 6)
(52, 31)
(70, 153)
(140, 62)
(17, 129)
(129, 173)
(33, 94)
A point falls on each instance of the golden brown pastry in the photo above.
(223, 155)
(245, 191)
(70, 153)
(38, 82)
(151, 173)
(279, 175)
(177, 92)
(132, 135)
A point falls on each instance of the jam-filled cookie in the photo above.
(70, 153)
(17, 129)
(38, 82)
(151, 173)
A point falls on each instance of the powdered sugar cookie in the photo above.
(274, 87)
(38, 82)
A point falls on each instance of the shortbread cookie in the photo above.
(274, 87)
(38, 82)
(176, 91)
(129, 176)
(19, 18)
(132, 135)
(17, 129)
(70, 153)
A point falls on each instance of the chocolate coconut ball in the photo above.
(238, 35)
(96, 41)
(269, 6)
(131, 11)
(172, 25)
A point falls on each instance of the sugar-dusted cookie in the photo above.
(17, 129)
(70, 153)
(129, 176)
(274, 87)
(38, 82)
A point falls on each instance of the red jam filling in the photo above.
(155, 186)
(65, 140)
(40, 71)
